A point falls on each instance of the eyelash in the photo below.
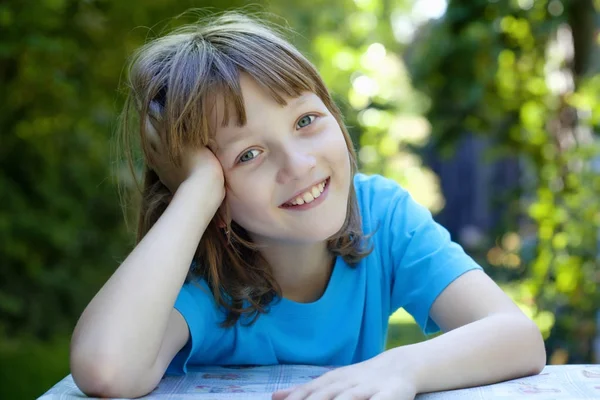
(308, 115)
(301, 118)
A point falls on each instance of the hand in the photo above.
(376, 379)
(195, 162)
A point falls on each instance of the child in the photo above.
(250, 178)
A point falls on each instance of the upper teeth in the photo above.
(309, 196)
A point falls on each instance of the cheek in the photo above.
(335, 145)
(342, 164)
(244, 201)
(340, 154)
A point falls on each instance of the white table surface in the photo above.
(571, 382)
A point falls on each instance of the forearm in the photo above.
(493, 349)
(125, 322)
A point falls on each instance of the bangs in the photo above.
(275, 70)
(184, 77)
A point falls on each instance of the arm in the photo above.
(128, 334)
(487, 340)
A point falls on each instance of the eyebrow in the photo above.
(233, 138)
(239, 134)
(295, 103)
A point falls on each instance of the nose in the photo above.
(295, 164)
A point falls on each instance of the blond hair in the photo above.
(172, 82)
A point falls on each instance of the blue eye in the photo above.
(306, 120)
(249, 155)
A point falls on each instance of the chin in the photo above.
(330, 229)
(309, 236)
(335, 228)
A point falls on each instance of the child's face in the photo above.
(279, 155)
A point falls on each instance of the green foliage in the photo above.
(30, 366)
(58, 206)
(521, 87)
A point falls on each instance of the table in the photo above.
(571, 382)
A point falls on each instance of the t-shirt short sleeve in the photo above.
(423, 258)
(197, 306)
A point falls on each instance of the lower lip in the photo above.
(314, 203)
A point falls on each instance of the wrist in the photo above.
(204, 189)
(405, 364)
(197, 201)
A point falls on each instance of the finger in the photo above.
(393, 395)
(155, 159)
(330, 391)
(152, 136)
(154, 149)
(299, 393)
(281, 394)
(382, 396)
(302, 391)
(360, 392)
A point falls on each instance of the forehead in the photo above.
(233, 107)
(232, 116)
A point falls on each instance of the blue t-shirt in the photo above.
(412, 262)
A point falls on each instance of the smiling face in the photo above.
(287, 169)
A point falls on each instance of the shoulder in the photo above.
(196, 294)
(376, 185)
(389, 211)
(380, 198)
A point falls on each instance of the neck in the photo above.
(301, 270)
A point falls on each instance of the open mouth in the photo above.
(309, 196)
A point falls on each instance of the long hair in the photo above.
(173, 82)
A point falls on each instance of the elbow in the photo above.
(95, 377)
(100, 377)
(92, 377)
(535, 348)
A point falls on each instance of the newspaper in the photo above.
(571, 382)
